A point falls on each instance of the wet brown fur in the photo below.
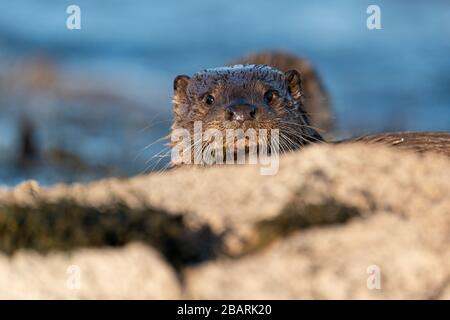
(438, 142)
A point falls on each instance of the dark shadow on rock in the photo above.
(66, 226)
(297, 216)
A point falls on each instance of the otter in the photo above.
(244, 97)
(259, 96)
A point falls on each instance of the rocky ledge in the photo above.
(348, 221)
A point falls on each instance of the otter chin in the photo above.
(245, 143)
(252, 101)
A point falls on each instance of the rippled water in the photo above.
(115, 74)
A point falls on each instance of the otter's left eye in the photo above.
(269, 96)
(209, 99)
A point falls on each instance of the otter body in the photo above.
(260, 96)
(420, 142)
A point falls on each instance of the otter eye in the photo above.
(269, 96)
(209, 99)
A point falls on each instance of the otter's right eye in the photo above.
(209, 99)
(269, 95)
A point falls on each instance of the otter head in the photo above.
(244, 97)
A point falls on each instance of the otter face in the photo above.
(244, 97)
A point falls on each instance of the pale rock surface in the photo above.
(133, 272)
(331, 263)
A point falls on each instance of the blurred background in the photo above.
(78, 105)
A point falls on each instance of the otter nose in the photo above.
(240, 112)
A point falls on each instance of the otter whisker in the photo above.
(165, 149)
(301, 125)
(296, 133)
(159, 157)
(301, 135)
(292, 144)
(149, 145)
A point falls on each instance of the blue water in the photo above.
(396, 78)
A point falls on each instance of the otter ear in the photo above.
(294, 82)
(180, 96)
(180, 83)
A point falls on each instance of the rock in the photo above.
(234, 208)
(132, 272)
(310, 231)
(331, 263)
